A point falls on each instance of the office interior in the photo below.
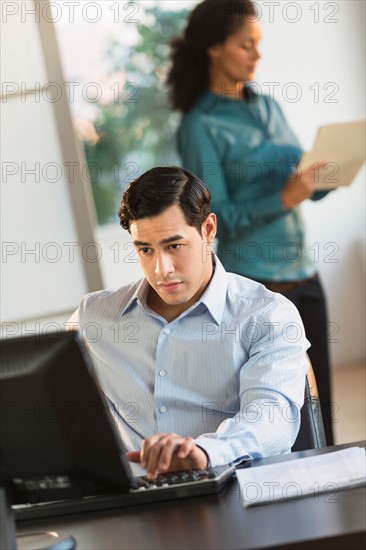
(53, 250)
(48, 219)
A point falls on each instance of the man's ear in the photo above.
(209, 227)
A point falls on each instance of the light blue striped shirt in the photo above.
(229, 371)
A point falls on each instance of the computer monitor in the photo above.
(54, 418)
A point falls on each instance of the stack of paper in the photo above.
(300, 477)
(342, 147)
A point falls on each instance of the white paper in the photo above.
(300, 477)
(343, 147)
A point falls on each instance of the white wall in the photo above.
(118, 258)
(319, 46)
(36, 218)
(44, 264)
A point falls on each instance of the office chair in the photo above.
(311, 434)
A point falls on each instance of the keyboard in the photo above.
(50, 496)
(175, 478)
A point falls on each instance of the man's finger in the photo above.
(171, 447)
(134, 456)
(161, 454)
(186, 447)
(147, 445)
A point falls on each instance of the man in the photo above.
(200, 366)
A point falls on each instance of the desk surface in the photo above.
(334, 521)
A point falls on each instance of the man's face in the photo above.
(175, 259)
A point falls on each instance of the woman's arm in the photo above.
(200, 154)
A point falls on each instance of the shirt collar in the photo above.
(138, 296)
(214, 297)
(208, 101)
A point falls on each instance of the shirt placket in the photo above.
(162, 375)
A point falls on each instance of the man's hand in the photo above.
(300, 186)
(168, 453)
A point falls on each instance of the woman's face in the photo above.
(236, 59)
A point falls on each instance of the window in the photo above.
(115, 62)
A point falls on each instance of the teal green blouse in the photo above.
(245, 151)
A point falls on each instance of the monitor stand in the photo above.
(29, 541)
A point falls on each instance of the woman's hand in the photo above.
(300, 186)
(168, 453)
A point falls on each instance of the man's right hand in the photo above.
(168, 452)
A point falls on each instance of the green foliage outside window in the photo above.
(136, 129)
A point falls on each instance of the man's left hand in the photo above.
(168, 453)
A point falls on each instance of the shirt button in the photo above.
(163, 410)
(162, 372)
(166, 331)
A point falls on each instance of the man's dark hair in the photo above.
(158, 189)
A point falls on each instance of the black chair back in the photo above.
(311, 434)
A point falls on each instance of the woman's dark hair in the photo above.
(210, 23)
(158, 189)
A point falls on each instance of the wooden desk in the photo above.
(334, 522)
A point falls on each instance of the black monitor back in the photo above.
(53, 417)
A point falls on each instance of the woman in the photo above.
(239, 143)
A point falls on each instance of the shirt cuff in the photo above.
(218, 451)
